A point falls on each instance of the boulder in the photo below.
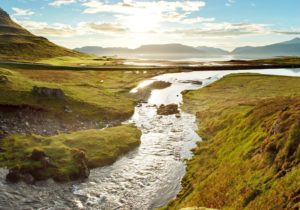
(168, 109)
(28, 179)
(3, 79)
(37, 155)
(82, 165)
(14, 175)
(48, 92)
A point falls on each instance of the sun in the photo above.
(142, 21)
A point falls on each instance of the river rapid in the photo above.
(146, 178)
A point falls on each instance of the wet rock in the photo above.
(3, 79)
(81, 161)
(194, 82)
(37, 155)
(28, 179)
(67, 109)
(168, 109)
(14, 175)
(48, 92)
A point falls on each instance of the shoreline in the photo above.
(224, 66)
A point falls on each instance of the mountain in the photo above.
(16, 43)
(212, 50)
(104, 51)
(156, 49)
(167, 49)
(288, 48)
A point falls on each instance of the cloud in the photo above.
(287, 32)
(230, 2)
(58, 3)
(130, 6)
(103, 27)
(22, 12)
(225, 30)
(65, 30)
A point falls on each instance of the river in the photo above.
(146, 178)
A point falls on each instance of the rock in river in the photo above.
(168, 109)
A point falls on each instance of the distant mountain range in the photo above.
(16, 43)
(288, 48)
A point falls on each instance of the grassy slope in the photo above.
(101, 147)
(92, 95)
(81, 61)
(16, 43)
(250, 156)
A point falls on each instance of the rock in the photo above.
(28, 179)
(37, 155)
(14, 175)
(81, 161)
(168, 109)
(194, 82)
(48, 92)
(46, 162)
(67, 109)
(3, 79)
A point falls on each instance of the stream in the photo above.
(146, 178)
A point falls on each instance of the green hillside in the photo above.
(250, 155)
(16, 43)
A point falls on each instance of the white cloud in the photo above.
(130, 6)
(230, 2)
(65, 30)
(21, 12)
(224, 30)
(58, 3)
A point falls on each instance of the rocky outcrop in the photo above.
(48, 92)
(43, 169)
(3, 79)
(168, 109)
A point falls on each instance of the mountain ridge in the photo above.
(17, 43)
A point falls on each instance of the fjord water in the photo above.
(146, 178)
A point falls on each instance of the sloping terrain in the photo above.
(250, 155)
(16, 43)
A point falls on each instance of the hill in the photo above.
(212, 50)
(288, 48)
(161, 49)
(16, 43)
(249, 156)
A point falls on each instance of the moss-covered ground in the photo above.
(99, 96)
(100, 148)
(250, 154)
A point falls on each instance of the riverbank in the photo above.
(97, 64)
(40, 109)
(249, 158)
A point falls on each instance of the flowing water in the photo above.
(146, 178)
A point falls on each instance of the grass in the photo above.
(90, 94)
(101, 147)
(100, 96)
(250, 155)
(81, 61)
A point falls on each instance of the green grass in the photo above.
(250, 155)
(81, 61)
(90, 94)
(101, 147)
(100, 96)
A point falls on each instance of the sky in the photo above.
(130, 23)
